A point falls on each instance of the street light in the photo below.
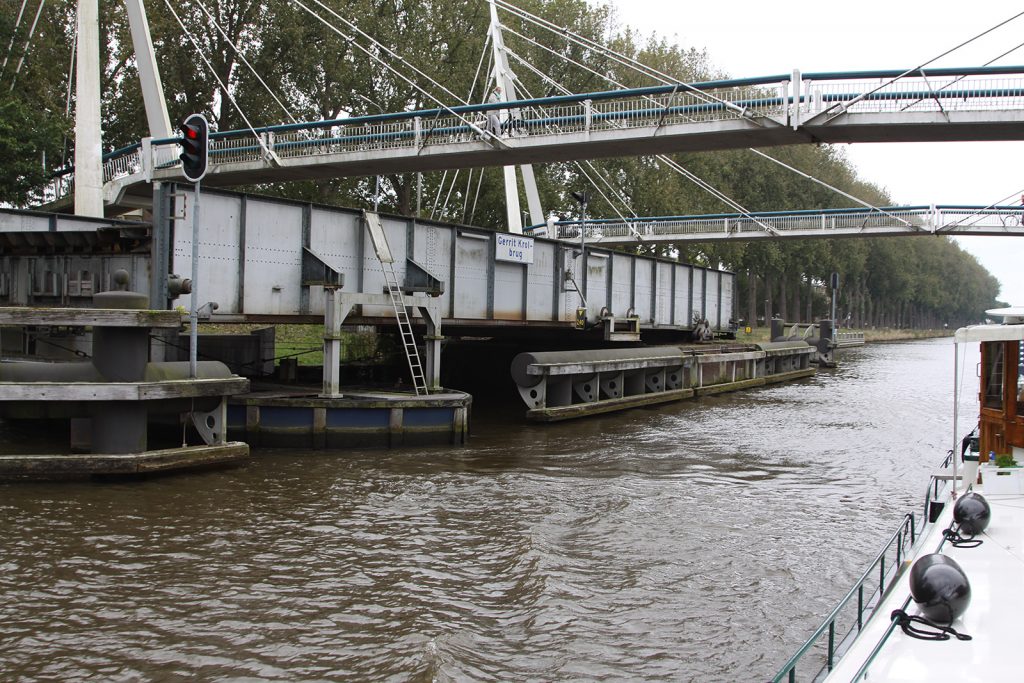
(581, 312)
(583, 198)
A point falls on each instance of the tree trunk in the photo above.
(810, 300)
(797, 309)
(783, 296)
(751, 298)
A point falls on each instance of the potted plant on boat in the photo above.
(1003, 475)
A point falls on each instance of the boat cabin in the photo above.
(1001, 422)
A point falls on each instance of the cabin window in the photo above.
(993, 376)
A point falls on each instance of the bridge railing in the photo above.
(791, 99)
(726, 225)
(807, 223)
(914, 94)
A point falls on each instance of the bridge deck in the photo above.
(984, 103)
(855, 222)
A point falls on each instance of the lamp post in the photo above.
(583, 198)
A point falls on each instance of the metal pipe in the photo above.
(193, 315)
(956, 412)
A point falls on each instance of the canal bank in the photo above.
(871, 334)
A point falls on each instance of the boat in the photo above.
(941, 601)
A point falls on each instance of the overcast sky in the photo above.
(745, 38)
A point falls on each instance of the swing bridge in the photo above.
(267, 259)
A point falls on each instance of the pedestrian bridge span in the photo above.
(953, 219)
(984, 103)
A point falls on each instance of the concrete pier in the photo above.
(291, 418)
(564, 385)
(111, 398)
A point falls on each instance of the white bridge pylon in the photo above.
(859, 222)
(503, 82)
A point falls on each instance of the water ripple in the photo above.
(701, 541)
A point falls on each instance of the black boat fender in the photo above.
(940, 588)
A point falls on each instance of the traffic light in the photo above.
(195, 146)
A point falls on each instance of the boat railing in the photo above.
(833, 637)
(936, 486)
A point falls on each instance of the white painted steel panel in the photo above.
(433, 251)
(644, 289)
(395, 231)
(711, 294)
(728, 286)
(13, 222)
(219, 249)
(697, 309)
(663, 294)
(334, 237)
(472, 258)
(273, 257)
(681, 311)
(621, 299)
(540, 291)
(508, 290)
(596, 289)
(273, 252)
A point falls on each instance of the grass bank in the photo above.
(875, 334)
(305, 342)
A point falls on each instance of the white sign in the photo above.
(514, 248)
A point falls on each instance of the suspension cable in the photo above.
(465, 197)
(476, 197)
(224, 87)
(28, 41)
(245, 61)
(483, 53)
(440, 188)
(441, 105)
(960, 78)
(717, 193)
(672, 164)
(67, 100)
(590, 164)
(14, 34)
(821, 182)
(845, 106)
(387, 50)
(980, 213)
(587, 43)
(668, 80)
(444, 207)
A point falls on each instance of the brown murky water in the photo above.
(702, 541)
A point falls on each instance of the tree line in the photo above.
(276, 62)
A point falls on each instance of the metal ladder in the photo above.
(383, 251)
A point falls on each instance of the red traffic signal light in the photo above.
(195, 146)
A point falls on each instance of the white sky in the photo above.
(746, 38)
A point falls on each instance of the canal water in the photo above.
(700, 541)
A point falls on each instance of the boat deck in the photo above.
(995, 570)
